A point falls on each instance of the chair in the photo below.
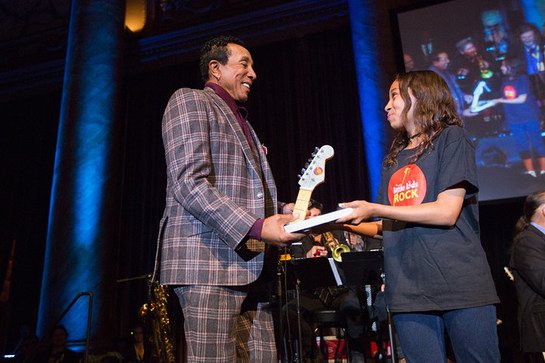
(326, 319)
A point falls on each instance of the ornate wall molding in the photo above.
(283, 19)
(256, 27)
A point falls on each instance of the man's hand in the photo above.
(316, 251)
(273, 230)
(288, 209)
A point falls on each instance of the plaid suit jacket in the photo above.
(217, 186)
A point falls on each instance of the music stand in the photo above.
(316, 272)
(362, 268)
(309, 274)
(365, 268)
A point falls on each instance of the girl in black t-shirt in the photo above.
(437, 275)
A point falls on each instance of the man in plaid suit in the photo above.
(220, 230)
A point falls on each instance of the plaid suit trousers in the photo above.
(216, 330)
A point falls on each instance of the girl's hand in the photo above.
(362, 211)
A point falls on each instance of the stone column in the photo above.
(81, 245)
(365, 39)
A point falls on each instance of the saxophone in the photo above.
(336, 248)
(163, 350)
(483, 67)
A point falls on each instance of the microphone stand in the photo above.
(391, 333)
(298, 356)
(279, 293)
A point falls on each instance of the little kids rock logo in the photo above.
(510, 92)
(407, 186)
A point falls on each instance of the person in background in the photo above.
(522, 115)
(495, 36)
(439, 64)
(408, 62)
(57, 352)
(436, 273)
(528, 266)
(471, 67)
(138, 350)
(532, 52)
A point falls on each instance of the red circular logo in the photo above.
(510, 92)
(407, 186)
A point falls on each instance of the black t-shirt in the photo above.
(432, 267)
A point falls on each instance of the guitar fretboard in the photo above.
(301, 204)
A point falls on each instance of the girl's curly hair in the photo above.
(434, 110)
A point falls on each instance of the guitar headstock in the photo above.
(314, 171)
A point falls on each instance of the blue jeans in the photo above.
(527, 137)
(472, 332)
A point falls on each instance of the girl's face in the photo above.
(395, 108)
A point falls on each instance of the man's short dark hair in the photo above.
(516, 67)
(460, 45)
(59, 327)
(435, 55)
(526, 27)
(216, 49)
(315, 204)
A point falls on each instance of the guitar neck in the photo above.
(301, 204)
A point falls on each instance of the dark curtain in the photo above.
(27, 151)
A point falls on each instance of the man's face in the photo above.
(58, 338)
(442, 61)
(409, 63)
(237, 75)
(314, 212)
(470, 49)
(528, 38)
(138, 334)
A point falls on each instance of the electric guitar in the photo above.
(312, 175)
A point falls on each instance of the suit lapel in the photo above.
(536, 231)
(235, 126)
(256, 157)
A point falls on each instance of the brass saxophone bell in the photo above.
(144, 310)
(335, 247)
(486, 73)
(338, 250)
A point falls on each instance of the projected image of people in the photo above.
(492, 56)
(522, 116)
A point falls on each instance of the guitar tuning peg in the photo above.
(306, 165)
(313, 154)
(303, 171)
(299, 176)
(309, 160)
(316, 149)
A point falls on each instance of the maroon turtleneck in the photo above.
(240, 112)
